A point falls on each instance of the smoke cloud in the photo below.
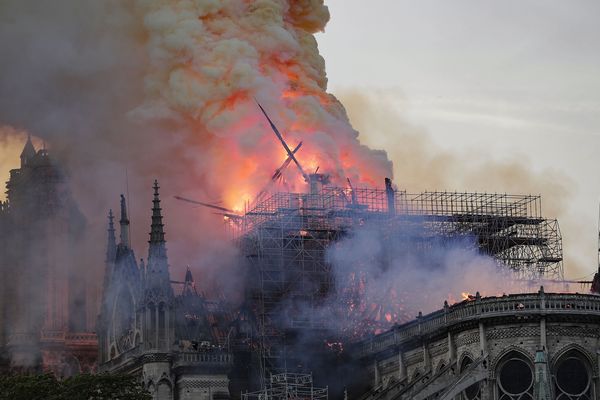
(420, 164)
(384, 275)
(125, 92)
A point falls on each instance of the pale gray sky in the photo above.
(503, 79)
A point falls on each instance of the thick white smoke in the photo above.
(125, 92)
(209, 61)
(406, 271)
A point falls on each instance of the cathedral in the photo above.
(44, 320)
(531, 346)
(183, 346)
(177, 344)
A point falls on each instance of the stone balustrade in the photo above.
(213, 358)
(479, 309)
(82, 338)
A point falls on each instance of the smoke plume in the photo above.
(420, 164)
(125, 92)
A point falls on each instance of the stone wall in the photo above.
(441, 347)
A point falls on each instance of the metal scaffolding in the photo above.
(285, 237)
(289, 386)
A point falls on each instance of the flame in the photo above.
(467, 296)
(207, 71)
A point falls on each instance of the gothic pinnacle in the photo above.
(111, 245)
(157, 234)
(124, 223)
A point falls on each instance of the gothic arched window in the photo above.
(162, 331)
(572, 377)
(473, 392)
(514, 377)
(150, 331)
(124, 319)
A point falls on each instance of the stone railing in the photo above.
(482, 308)
(209, 358)
(60, 336)
(53, 336)
(81, 338)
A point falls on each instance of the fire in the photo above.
(467, 296)
(209, 76)
(388, 317)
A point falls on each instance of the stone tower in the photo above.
(157, 305)
(42, 301)
(119, 322)
(146, 330)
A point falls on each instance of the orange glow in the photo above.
(246, 153)
(467, 296)
(12, 144)
(210, 87)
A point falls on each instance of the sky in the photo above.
(485, 83)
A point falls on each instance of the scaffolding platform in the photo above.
(289, 386)
(285, 237)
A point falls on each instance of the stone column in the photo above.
(401, 367)
(146, 329)
(451, 349)
(486, 388)
(543, 345)
(543, 338)
(426, 357)
(482, 339)
(157, 320)
(167, 328)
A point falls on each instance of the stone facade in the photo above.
(173, 343)
(529, 346)
(44, 318)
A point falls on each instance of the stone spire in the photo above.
(109, 270)
(189, 286)
(111, 244)
(157, 234)
(28, 152)
(157, 266)
(158, 292)
(124, 222)
(111, 253)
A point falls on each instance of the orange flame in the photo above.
(467, 296)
